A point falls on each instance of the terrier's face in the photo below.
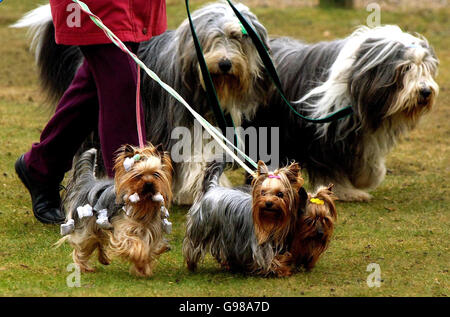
(275, 200)
(316, 226)
(144, 173)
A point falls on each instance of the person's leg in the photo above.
(115, 75)
(75, 118)
(43, 167)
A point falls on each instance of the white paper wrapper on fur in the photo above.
(158, 197)
(102, 219)
(164, 212)
(68, 227)
(167, 226)
(129, 162)
(84, 211)
(134, 198)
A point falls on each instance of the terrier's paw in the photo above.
(87, 269)
(103, 259)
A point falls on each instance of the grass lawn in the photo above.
(405, 228)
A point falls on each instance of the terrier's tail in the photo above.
(212, 174)
(83, 176)
(84, 169)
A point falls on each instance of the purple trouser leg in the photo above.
(102, 94)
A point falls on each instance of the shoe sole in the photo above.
(20, 172)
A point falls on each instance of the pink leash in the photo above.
(138, 108)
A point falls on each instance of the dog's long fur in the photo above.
(241, 89)
(380, 72)
(314, 228)
(136, 229)
(229, 224)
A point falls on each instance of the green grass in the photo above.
(405, 228)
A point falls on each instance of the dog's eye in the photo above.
(234, 35)
(280, 194)
(263, 193)
(156, 174)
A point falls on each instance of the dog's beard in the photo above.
(234, 86)
(229, 88)
(271, 223)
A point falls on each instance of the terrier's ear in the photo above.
(159, 149)
(294, 169)
(128, 150)
(330, 187)
(294, 175)
(262, 168)
(303, 199)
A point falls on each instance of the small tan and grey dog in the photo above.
(245, 232)
(121, 217)
(314, 228)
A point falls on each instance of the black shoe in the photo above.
(45, 197)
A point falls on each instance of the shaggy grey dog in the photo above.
(386, 75)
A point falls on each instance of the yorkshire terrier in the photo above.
(121, 217)
(245, 231)
(314, 228)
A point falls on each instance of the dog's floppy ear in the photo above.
(262, 168)
(303, 199)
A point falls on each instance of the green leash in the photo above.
(270, 68)
(222, 119)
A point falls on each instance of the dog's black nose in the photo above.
(425, 92)
(319, 233)
(269, 204)
(225, 65)
(148, 188)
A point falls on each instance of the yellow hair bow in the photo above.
(317, 201)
